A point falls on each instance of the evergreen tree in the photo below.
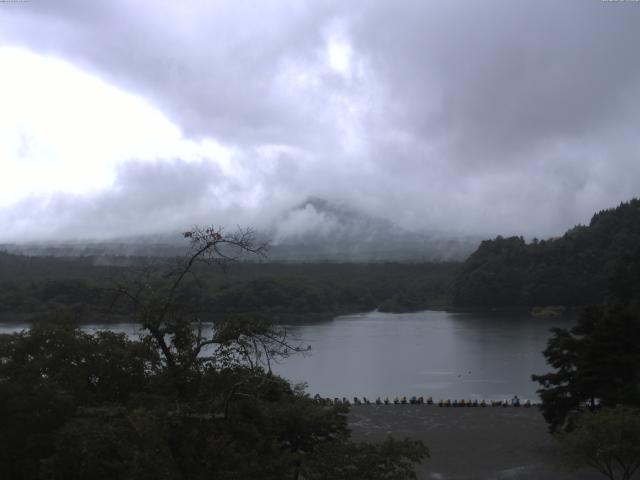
(597, 363)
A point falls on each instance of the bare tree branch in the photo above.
(153, 294)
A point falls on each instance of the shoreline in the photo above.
(470, 443)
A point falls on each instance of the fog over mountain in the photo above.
(319, 230)
(445, 120)
(315, 230)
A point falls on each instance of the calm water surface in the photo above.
(446, 355)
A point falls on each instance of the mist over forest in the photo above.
(315, 230)
(320, 240)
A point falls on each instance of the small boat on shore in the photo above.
(515, 402)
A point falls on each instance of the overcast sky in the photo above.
(474, 117)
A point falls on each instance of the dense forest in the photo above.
(591, 396)
(176, 404)
(33, 286)
(572, 270)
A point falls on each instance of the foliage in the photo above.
(188, 400)
(572, 270)
(47, 372)
(285, 292)
(607, 440)
(597, 362)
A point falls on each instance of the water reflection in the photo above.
(457, 355)
(445, 355)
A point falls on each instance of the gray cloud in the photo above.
(500, 78)
(146, 198)
(485, 117)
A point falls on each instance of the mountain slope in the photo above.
(575, 269)
(318, 230)
(315, 230)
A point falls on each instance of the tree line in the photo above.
(591, 399)
(186, 401)
(572, 270)
(33, 286)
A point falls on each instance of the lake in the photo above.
(442, 354)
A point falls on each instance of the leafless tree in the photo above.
(176, 325)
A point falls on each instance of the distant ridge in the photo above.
(315, 230)
(319, 230)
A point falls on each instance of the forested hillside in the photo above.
(573, 270)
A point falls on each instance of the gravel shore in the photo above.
(491, 443)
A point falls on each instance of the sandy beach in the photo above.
(491, 443)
